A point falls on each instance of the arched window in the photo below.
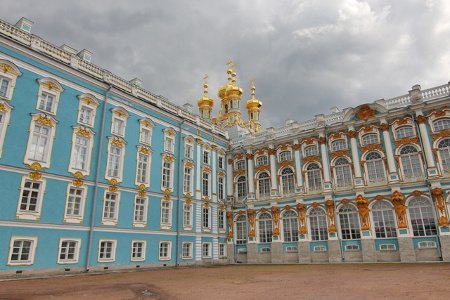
(265, 228)
(290, 226)
(375, 167)
(287, 181)
(348, 219)
(314, 177)
(262, 160)
(422, 218)
(318, 224)
(241, 187)
(383, 220)
(370, 138)
(444, 154)
(342, 172)
(441, 124)
(404, 132)
(264, 184)
(411, 164)
(311, 150)
(285, 155)
(241, 230)
(339, 145)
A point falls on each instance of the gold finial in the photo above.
(253, 88)
(205, 85)
(230, 65)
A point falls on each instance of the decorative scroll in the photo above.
(118, 142)
(322, 140)
(439, 202)
(249, 156)
(230, 225)
(272, 151)
(276, 221)
(251, 222)
(384, 127)
(371, 147)
(352, 133)
(421, 119)
(45, 121)
(142, 192)
(365, 112)
(363, 208)
(262, 168)
(340, 153)
(330, 213)
(440, 134)
(78, 179)
(400, 208)
(302, 218)
(406, 140)
(311, 158)
(83, 132)
(286, 163)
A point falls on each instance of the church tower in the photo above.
(254, 108)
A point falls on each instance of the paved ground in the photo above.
(347, 281)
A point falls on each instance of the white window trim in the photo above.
(113, 251)
(166, 225)
(77, 250)
(140, 223)
(169, 250)
(224, 162)
(88, 101)
(70, 218)
(144, 250)
(121, 114)
(149, 125)
(11, 72)
(171, 159)
(206, 150)
(169, 133)
(191, 185)
(207, 228)
(148, 152)
(122, 158)
(115, 220)
(224, 250)
(52, 87)
(209, 248)
(191, 250)
(224, 228)
(191, 213)
(86, 133)
(26, 215)
(33, 239)
(49, 122)
(6, 109)
(189, 141)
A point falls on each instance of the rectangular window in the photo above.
(138, 250)
(110, 207)
(205, 185)
(221, 219)
(74, 202)
(206, 250)
(145, 136)
(114, 161)
(186, 252)
(29, 200)
(205, 217)
(68, 251)
(142, 168)
(387, 247)
(166, 213)
(4, 86)
(86, 115)
(39, 143)
(187, 180)
(222, 250)
(107, 251)
(118, 127)
(165, 250)
(240, 165)
(188, 151)
(187, 215)
(140, 210)
(220, 162)
(206, 157)
(80, 155)
(166, 174)
(21, 251)
(47, 102)
(168, 144)
(220, 188)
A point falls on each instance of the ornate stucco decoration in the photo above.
(251, 222)
(363, 208)
(113, 187)
(188, 198)
(286, 163)
(230, 225)
(78, 179)
(43, 120)
(352, 133)
(272, 151)
(142, 190)
(339, 153)
(262, 168)
(406, 140)
(118, 142)
(302, 218)
(439, 202)
(238, 172)
(371, 147)
(167, 193)
(441, 134)
(276, 220)
(35, 174)
(145, 150)
(421, 119)
(364, 112)
(83, 132)
(311, 158)
(330, 213)
(168, 157)
(398, 199)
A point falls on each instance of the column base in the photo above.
(445, 247)
(334, 251)
(277, 253)
(304, 252)
(406, 249)
(252, 253)
(368, 250)
(230, 253)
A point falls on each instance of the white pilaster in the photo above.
(325, 163)
(214, 174)
(298, 168)
(355, 157)
(198, 192)
(273, 172)
(393, 175)
(230, 176)
(421, 119)
(251, 181)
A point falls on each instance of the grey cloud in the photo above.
(306, 56)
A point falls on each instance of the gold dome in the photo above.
(253, 103)
(205, 101)
(232, 89)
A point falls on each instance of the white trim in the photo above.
(113, 250)
(77, 250)
(144, 250)
(209, 254)
(73, 218)
(31, 215)
(34, 241)
(169, 250)
(45, 163)
(111, 221)
(7, 117)
(169, 224)
(191, 250)
(90, 146)
(143, 223)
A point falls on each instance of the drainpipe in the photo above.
(180, 182)
(97, 179)
(438, 238)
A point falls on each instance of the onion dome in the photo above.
(205, 101)
(232, 89)
(253, 104)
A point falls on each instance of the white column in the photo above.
(273, 171)
(425, 140)
(229, 176)
(389, 151)
(325, 164)
(214, 173)
(251, 181)
(355, 156)
(198, 192)
(298, 168)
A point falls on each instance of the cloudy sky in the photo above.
(306, 56)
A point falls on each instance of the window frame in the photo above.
(140, 223)
(143, 152)
(76, 254)
(82, 133)
(119, 144)
(168, 224)
(169, 250)
(208, 248)
(52, 87)
(26, 214)
(143, 250)
(90, 102)
(5, 110)
(113, 250)
(72, 218)
(32, 253)
(146, 125)
(190, 250)
(115, 219)
(9, 71)
(50, 124)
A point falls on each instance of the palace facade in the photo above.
(99, 173)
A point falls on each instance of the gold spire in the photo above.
(253, 88)
(253, 104)
(205, 103)
(205, 85)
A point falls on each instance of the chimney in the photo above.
(85, 55)
(24, 24)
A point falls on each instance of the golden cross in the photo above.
(230, 64)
